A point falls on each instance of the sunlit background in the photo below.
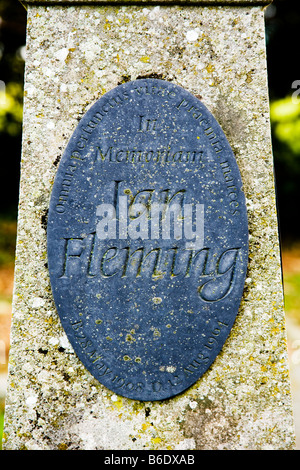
(282, 40)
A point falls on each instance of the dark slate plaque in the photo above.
(147, 239)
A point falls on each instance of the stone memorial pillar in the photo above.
(150, 102)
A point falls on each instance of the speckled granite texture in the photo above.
(74, 55)
(198, 2)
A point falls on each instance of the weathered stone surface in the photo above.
(195, 2)
(74, 55)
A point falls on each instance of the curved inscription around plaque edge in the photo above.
(147, 317)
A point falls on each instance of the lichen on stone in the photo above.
(75, 53)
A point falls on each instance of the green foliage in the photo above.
(11, 67)
(291, 295)
(285, 118)
(12, 46)
(7, 241)
(11, 109)
(285, 122)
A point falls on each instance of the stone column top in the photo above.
(128, 2)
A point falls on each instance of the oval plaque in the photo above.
(147, 239)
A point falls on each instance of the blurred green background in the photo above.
(282, 37)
